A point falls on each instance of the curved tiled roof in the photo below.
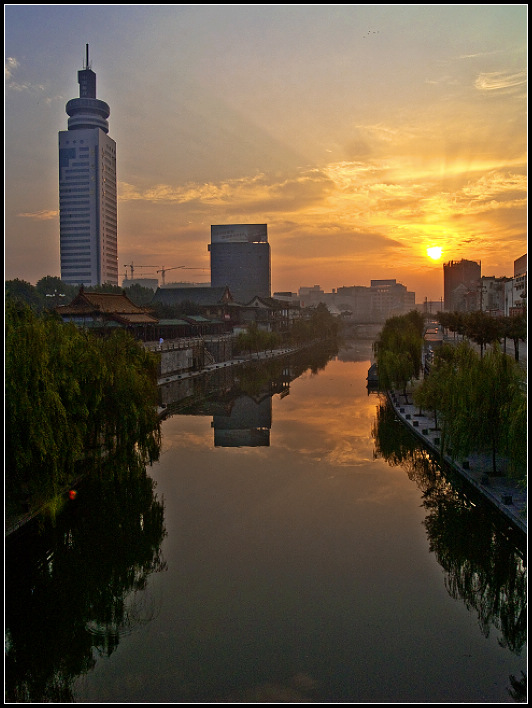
(115, 305)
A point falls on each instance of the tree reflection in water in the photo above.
(73, 588)
(484, 561)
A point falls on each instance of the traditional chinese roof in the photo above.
(268, 303)
(198, 295)
(113, 306)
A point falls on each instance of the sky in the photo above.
(362, 135)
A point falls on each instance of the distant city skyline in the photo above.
(363, 135)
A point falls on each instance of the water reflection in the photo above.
(75, 587)
(297, 571)
(483, 558)
(240, 399)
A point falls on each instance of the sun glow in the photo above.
(434, 252)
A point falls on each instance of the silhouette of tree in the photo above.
(72, 590)
(514, 328)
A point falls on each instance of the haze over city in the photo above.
(361, 135)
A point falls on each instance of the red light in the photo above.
(72, 494)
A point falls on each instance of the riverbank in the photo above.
(237, 361)
(257, 357)
(14, 520)
(501, 491)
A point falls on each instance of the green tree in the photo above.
(453, 321)
(23, 292)
(516, 440)
(138, 294)
(128, 407)
(515, 328)
(68, 393)
(37, 423)
(496, 395)
(55, 291)
(482, 328)
(395, 369)
(479, 399)
(398, 350)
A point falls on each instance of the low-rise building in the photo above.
(362, 304)
(104, 311)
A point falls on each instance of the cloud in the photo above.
(482, 55)
(499, 80)
(254, 193)
(43, 215)
(10, 65)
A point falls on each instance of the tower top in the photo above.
(87, 63)
(87, 111)
(87, 78)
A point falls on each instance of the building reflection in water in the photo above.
(247, 424)
(239, 398)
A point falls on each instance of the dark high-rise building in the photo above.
(463, 275)
(87, 189)
(240, 259)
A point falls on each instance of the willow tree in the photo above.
(495, 394)
(44, 415)
(398, 350)
(516, 440)
(127, 408)
(477, 398)
(67, 393)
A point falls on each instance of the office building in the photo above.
(516, 288)
(461, 285)
(241, 260)
(87, 189)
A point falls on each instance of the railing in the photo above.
(173, 344)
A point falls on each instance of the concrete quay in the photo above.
(237, 361)
(502, 492)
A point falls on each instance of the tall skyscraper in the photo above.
(240, 259)
(87, 189)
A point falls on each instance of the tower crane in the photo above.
(164, 270)
(132, 267)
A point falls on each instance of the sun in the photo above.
(434, 252)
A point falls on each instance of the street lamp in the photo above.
(55, 295)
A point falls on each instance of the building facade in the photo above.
(362, 304)
(241, 259)
(87, 190)
(516, 288)
(461, 284)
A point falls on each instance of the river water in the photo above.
(292, 544)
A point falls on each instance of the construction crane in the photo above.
(164, 270)
(132, 267)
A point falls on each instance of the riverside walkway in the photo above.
(502, 492)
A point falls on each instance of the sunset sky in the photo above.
(360, 134)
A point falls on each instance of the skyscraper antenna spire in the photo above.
(87, 65)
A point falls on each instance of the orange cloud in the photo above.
(43, 215)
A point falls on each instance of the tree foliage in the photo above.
(68, 392)
(315, 323)
(480, 401)
(482, 328)
(398, 350)
(51, 291)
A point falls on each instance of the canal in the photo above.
(293, 543)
